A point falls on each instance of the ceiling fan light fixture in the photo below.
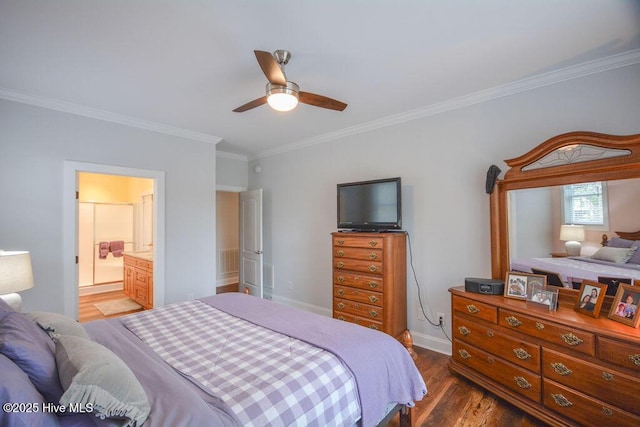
(282, 98)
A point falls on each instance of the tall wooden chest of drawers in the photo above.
(561, 367)
(370, 280)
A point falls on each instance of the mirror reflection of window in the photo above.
(586, 204)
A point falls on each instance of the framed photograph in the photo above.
(543, 296)
(517, 284)
(590, 298)
(625, 305)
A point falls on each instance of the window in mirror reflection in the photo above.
(585, 204)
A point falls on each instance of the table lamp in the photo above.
(15, 276)
(573, 235)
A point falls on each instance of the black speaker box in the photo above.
(484, 286)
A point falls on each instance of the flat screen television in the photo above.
(370, 205)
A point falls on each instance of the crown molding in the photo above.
(530, 83)
(232, 156)
(82, 110)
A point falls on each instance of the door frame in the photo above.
(70, 228)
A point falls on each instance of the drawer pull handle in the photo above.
(464, 354)
(635, 358)
(340, 264)
(372, 243)
(340, 279)
(464, 331)
(490, 334)
(373, 299)
(340, 317)
(373, 285)
(521, 353)
(606, 411)
(561, 400)
(341, 305)
(561, 369)
(522, 382)
(373, 255)
(373, 268)
(373, 313)
(539, 326)
(473, 309)
(571, 339)
(374, 327)
(513, 321)
(341, 292)
(607, 376)
(340, 253)
(340, 241)
(490, 360)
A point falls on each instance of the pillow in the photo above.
(618, 242)
(16, 387)
(92, 375)
(56, 324)
(31, 349)
(618, 255)
(635, 258)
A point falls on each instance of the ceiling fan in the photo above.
(281, 94)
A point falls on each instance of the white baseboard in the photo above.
(99, 289)
(228, 280)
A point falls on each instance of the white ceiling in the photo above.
(181, 66)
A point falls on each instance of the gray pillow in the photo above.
(56, 324)
(92, 375)
(618, 242)
(617, 255)
(635, 258)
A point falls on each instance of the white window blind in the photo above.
(585, 203)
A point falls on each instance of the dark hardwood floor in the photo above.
(453, 401)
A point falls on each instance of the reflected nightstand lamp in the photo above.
(573, 235)
(15, 276)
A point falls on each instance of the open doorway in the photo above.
(227, 241)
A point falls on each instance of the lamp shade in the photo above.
(15, 271)
(572, 233)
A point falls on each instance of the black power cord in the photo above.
(415, 278)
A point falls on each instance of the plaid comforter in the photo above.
(265, 377)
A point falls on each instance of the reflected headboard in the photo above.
(628, 235)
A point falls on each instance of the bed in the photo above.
(226, 360)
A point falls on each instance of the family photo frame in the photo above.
(625, 305)
(518, 285)
(543, 296)
(590, 298)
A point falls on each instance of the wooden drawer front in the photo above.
(129, 260)
(363, 310)
(365, 266)
(358, 281)
(622, 354)
(513, 350)
(359, 295)
(517, 379)
(474, 308)
(367, 323)
(144, 264)
(583, 409)
(140, 276)
(358, 241)
(577, 340)
(358, 253)
(605, 384)
(141, 295)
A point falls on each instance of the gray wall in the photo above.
(34, 144)
(443, 160)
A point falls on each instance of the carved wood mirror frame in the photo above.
(569, 158)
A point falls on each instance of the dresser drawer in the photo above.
(365, 266)
(359, 295)
(583, 409)
(358, 281)
(511, 349)
(363, 310)
(605, 384)
(358, 241)
(619, 353)
(515, 378)
(564, 336)
(367, 323)
(144, 264)
(358, 253)
(476, 309)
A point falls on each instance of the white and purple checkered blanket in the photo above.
(265, 377)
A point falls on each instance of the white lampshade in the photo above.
(573, 234)
(282, 98)
(15, 276)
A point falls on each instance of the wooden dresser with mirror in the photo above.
(561, 366)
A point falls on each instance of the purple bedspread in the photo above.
(382, 367)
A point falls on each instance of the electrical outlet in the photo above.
(441, 319)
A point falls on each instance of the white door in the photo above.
(251, 242)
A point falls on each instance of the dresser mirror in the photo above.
(570, 158)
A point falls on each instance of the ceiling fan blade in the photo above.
(252, 104)
(321, 101)
(270, 68)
